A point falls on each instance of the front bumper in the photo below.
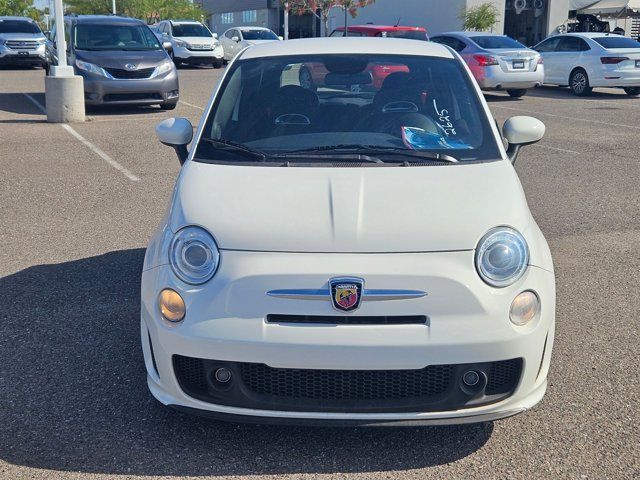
(467, 324)
(146, 91)
(35, 56)
(494, 78)
(186, 55)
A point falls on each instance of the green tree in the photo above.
(147, 10)
(480, 18)
(320, 8)
(20, 8)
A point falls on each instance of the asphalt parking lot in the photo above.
(79, 203)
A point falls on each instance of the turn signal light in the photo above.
(612, 60)
(524, 308)
(485, 60)
(171, 305)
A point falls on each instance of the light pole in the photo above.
(64, 91)
(113, 6)
(286, 21)
(346, 21)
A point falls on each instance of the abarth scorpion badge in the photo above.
(346, 293)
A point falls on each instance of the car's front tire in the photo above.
(579, 83)
(632, 91)
(517, 93)
(217, 63)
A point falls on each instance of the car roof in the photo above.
(185, 21)
(10, 17)
(590, 34)
(348, 45)
(106, 19)
(380, 28)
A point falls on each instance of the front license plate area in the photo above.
(25, 54)
(518, 64)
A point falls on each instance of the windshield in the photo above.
(409, 34)
(191, 30)
(259, 35)
(18, 26)
(114, 37)
(279, 105)
(617, 42)
(496, 41)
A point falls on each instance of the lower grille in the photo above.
(130, 74)
(433, 388)
(349, 320)
(503, 376)
(124, 97)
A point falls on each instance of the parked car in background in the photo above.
(191, 42)
(388, 31)
(22, 42)
(497, 62)
(121, 61)
(348, 255)
(237, 38)
(312, 74)
(587, 60)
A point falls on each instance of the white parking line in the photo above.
(609, 124)
(191, 105)
(564, 150)
(88, 144)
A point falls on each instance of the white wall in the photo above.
(436, 16)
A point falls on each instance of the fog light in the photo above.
(524, 308)
(171, 305)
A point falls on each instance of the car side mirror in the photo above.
(235, 39)
(280, 37)
(176, 133)
(520, 131)
(215, 35)
(165, 34)
(166, 45)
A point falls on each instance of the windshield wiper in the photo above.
(236, 147)
(358, 157)
(377, 150)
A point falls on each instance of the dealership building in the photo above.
(526, 20)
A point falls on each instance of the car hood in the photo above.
(119, 58)
(22, 36)
(377, 209)
(259, 42)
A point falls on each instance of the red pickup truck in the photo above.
(312, 74)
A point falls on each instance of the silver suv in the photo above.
(22, 42)
(191, 42)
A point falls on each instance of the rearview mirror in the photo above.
(235, 39)
(176, 133)
(520, 131)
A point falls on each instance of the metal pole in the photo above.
(61, 44)
(113, 5)
(286, 21)
(346, 26)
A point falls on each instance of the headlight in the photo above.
(181, 43)
(502, 256)
(91, 68)
(164, 67)
(2, 41)
(194, 255)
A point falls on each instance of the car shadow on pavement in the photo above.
(19, 103)
(74, 394)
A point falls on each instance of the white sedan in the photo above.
(236, 39)
(587, 60)
(352, 254)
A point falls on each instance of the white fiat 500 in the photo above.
(348, 253)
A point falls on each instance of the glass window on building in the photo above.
(227, 18)
(249, 16)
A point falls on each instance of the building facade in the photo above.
(528, 21)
